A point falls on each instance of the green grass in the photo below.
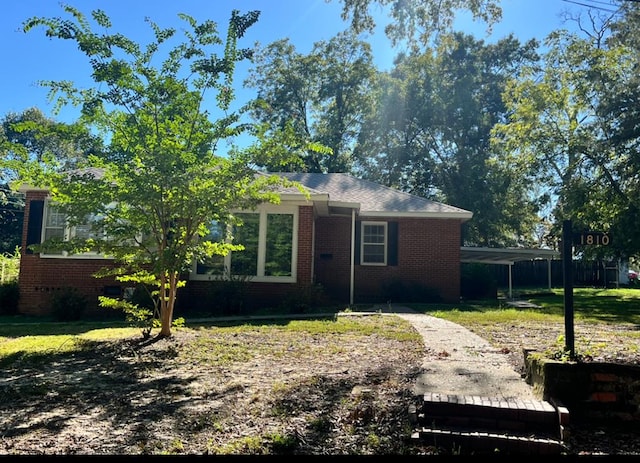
(595, 305)
(22, 337)
(230, 342)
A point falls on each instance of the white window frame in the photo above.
(385, 244)
(260, 277)
(69, 232)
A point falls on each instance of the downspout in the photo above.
(313, 249)
(353, 255)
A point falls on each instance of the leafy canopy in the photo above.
(162, 180)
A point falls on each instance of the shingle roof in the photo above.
(373, 197)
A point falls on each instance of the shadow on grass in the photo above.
(124, 388)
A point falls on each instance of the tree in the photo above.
(30, 136)
(315, 99)
(431, 129)
(152, 197)
(418, 21)
(11, 215)
(559, 136)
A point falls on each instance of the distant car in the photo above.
(633, 275)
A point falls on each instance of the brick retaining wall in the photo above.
(596, 389)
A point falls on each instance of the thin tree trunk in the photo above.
(165, 315)
(168, 291)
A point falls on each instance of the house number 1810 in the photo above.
(592, 238)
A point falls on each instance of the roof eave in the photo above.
(464, 216)
(25, 187)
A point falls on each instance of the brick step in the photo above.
(481, 423)
(479, 442)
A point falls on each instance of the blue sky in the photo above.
(31, 57)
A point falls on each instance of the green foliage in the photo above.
(11, 215)
(418, 22)
(477, 282)
(249, 445)
(312, 105)
(282, 443)
(137, 316)
(229, 296)
(9, 297)
(399, 290)
(155, 191)
(10, 265)
(68, 304)
(429, 133)
(564, 134)
(303, 298)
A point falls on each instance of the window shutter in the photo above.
(392, 246)
(358, 241)
(34, 232)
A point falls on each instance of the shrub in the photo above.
(477, 282)
(68, 304)
(230, 295)
(10, 264)
(9, 296)
(397, 290)
(141, 296)
(303, 298)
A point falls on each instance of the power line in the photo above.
(595, 4)
(592, 5)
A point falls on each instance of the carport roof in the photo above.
(505, 256)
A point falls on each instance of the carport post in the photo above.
(510, 281)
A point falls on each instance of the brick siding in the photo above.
(428, 255)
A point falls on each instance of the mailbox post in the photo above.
(588, 238)
(567, 273)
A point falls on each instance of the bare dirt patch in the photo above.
(594, 342)
(265, 390)
(215, 391)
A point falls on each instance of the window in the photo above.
(55, 226)
(279, 245)
(374, 243)
(248, 234)
(270, 243)
(213, 265)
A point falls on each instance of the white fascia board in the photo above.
(515, 251)
(26, 187)
(315, 197)
(432, 215)
(347, 205)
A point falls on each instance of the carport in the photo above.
(507, 256)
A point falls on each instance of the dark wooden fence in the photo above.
(534, 273)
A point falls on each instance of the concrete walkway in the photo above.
(459, 362)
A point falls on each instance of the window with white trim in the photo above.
(56, 226)
(373, 243)
(270, 239)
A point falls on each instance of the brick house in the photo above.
(357, 240)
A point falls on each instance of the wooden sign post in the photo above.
(588, 238)
(567, 273)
